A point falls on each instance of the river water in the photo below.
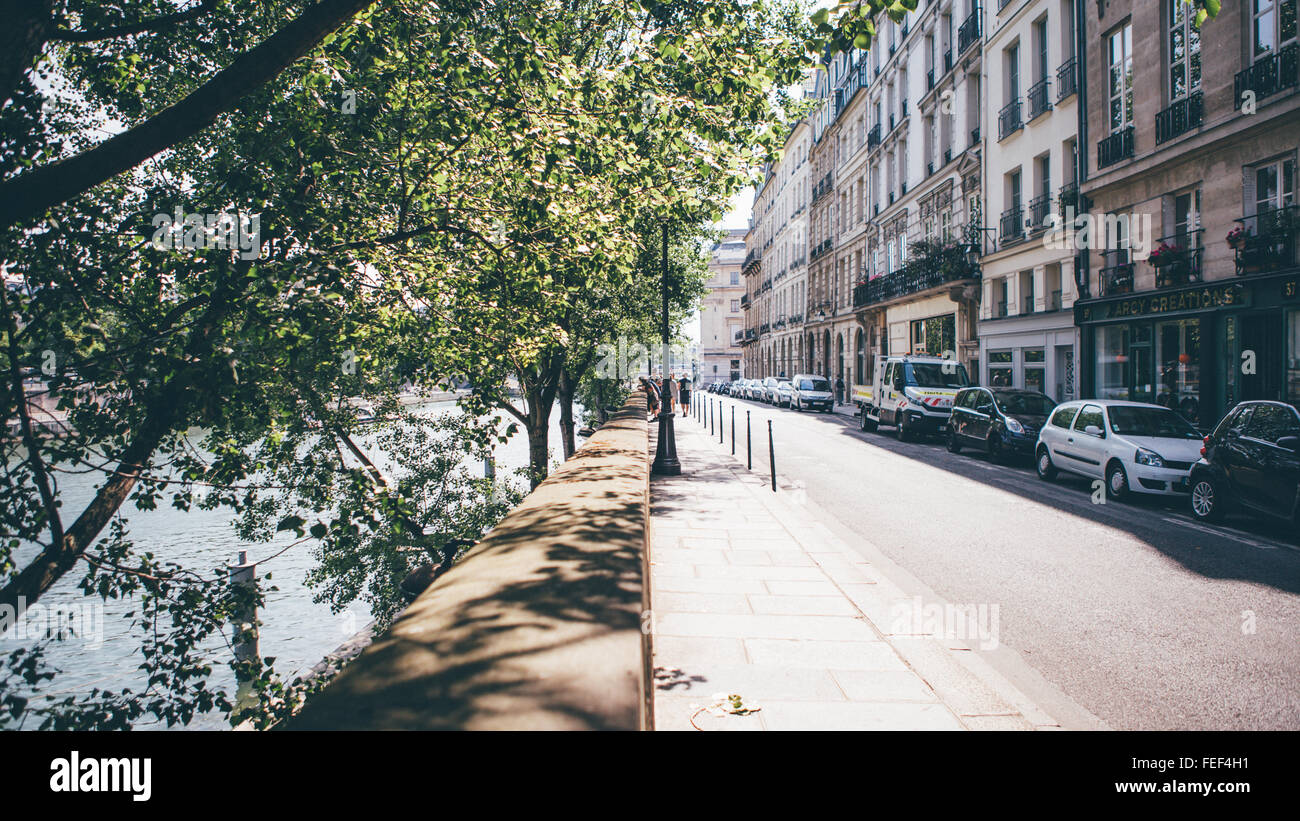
(296, 630)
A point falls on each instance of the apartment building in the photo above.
(1188, 158)
(1027, 335)
(903, 241)
(777, 271)
(722, 321)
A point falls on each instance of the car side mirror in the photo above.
(1291, 443)
(1093, 430)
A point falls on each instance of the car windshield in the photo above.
(1029, 404)
(815, 385)
(936, 375)
(1159, 422)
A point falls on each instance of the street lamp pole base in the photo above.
(666, 463)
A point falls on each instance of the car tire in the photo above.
(997, 454)
(869, 425)
(1116, 481)
(1043, 464)
(904, 435)
(798, 406)
(1207, 500)
(954, 444)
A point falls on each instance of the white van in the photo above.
(913, 393)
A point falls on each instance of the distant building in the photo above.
(721, 319)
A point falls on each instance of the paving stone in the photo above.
(883, 685)
(803, 715)
(803, 605)
(686, 652)
(690, 584)
(829, 629)
(841, 655)
(813, 588)
(711, 602)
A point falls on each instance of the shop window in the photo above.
(1035, 369)
(1178, 352)
(1000, 369)
(1293, 356)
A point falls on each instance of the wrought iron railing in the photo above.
(1179, 118)
(1266, 241)
(1116, 147)
(1116, 275)
(1067, 79)
(969, 32)
(1039, 208)
(1009, 119)
(1011, 228)
(1040, 97)
(1176, 259)
(1267, 75)
(933, 265)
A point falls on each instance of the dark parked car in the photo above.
(1000, 421)
(1250, 462)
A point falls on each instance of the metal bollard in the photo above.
(771, 454)
(749, 451)
(720, 422)
(733, 429)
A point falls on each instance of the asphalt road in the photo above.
(1134, 611)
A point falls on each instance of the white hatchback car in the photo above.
(1135, 447)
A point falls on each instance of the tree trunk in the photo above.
(565, 392)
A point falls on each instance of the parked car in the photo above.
(767, 390)
(1250, 462)
(1135, 447)
(1000, 421)
(784, 393)
(812, 392)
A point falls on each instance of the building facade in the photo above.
(721, 318)
(916, 289)
(1027, 335)
(1192, 293)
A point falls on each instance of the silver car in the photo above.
(809, 392)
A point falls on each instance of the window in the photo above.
(1064, 416)
(1184, 50)
(735, 306)
(735, 277)
(1000, 374)
(1090, 416)
(1040, 40)
(1013, 73)
(1035, 369)
(1273, 25)
(1274, 186)
(1119, 51)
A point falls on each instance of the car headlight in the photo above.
(1149, 458)
(1014, 426)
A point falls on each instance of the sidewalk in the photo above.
(752, 596)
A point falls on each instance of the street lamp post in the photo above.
(666, 463)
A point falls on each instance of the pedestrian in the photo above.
(839, 390)
(669, 394)
(686, 394)
(652, 395)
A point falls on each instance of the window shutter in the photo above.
(1248, 191)
(1167, 215)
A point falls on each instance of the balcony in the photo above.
(1267, 76)
(1176, 259)
(1009, 119)
(1068, 198)
(1116, 147)
(1179, 118)
(929, 80)
(931, 266)
(929, 169)
(1265, 242)
(750, 334)
(891, 122)
(751, 258)
(1067, 79)
(903, 115)
(1039, 208)
(947, 61)
(1040, 97)
(947, 156)
(969, 32)
(1116, 275)
(873, 137)
(975, 136)
(1011, 227)
(744, 300)
(763, 329)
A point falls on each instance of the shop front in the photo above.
(1036, 352)
(1198, 350)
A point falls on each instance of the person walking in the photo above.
(686, 394)
(669, 394)
(652, 395)
(839, 390)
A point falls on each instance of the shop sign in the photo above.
(1230, 295)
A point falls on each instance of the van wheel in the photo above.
(868, 424)
(1116, 481)
(1207, 502)
(904, 435)
(1043, 464)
